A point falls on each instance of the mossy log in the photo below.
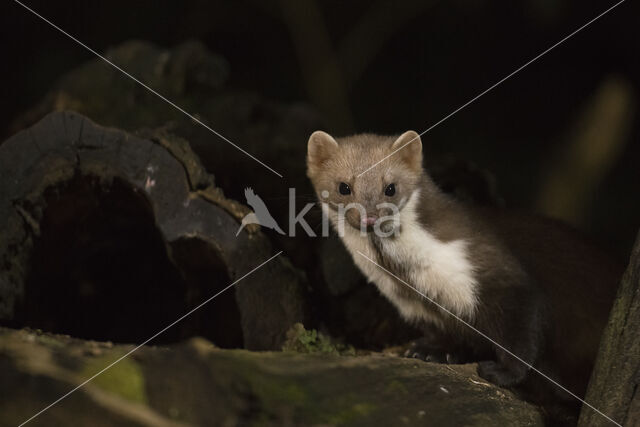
(615, 383)
(196, 383)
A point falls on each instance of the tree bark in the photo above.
(614, 386)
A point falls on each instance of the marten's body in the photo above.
(579, 283)
(528, 284)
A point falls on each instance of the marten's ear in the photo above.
(321, 147)
(408, 147)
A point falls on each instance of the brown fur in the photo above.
(330, 163)
(544, 291)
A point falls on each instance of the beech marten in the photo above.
(530, 284)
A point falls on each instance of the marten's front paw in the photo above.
(498, 374)
(430, 354)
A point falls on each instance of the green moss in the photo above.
(395, 387)
(352, 413)
(274, 396)
(273, 392)
(277, 396)
(125, 378)
(302, 340)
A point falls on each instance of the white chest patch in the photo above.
(440, 270)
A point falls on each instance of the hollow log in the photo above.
(98, 226)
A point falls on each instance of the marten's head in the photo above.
(366, 177)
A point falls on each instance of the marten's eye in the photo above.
(390, 190)
(344, 188)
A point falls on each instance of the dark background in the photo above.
(419, 61)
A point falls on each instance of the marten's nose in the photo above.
(369, 220)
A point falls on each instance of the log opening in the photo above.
(100, 269)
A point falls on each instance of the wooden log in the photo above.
(133, 226)
(194, 384)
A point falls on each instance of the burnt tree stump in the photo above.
(107, 235)
(615, 383)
